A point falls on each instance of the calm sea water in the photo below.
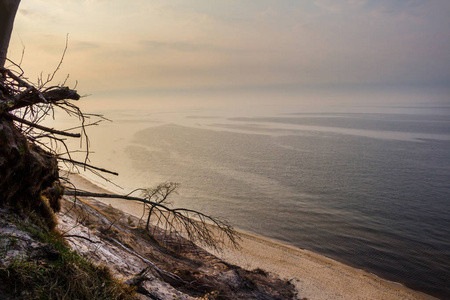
(368, 186)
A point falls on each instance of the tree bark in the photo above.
(8, 9)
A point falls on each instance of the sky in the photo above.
(140, 47)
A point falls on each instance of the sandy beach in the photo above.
(314, 276)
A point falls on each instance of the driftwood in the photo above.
(137, 280)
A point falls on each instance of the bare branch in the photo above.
(180, 221)
(80, 237)
(28, 105)
(51, 130)
(87, 165)
(50, 77)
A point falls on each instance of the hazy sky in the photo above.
(143, 45)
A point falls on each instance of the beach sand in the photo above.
(314, 276)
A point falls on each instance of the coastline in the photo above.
(314, 276)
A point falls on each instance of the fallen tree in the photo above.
(28, 161)
(181, 222)
(29, 173)
(30, 153)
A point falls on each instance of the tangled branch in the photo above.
(196, 226)
(28, 105)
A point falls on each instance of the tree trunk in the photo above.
(8, 9)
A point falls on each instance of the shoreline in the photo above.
(315, 276)
(301, 265)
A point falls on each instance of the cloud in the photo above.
(34, 15)
(83, 46)
(179, 46)
(394, 6)
(197, 47)
(339, 6)
(371, 6)
(200, 43)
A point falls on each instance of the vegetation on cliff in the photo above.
(36, 261)
(39, 264)
(30, 152)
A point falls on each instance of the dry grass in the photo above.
(66, 275)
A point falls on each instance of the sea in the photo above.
(362, 180)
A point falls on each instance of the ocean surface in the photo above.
(364, 184)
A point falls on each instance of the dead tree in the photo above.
(181, 223)
(28, 162)
(8, 9)
(30, 152)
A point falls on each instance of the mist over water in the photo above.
(367, 185)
